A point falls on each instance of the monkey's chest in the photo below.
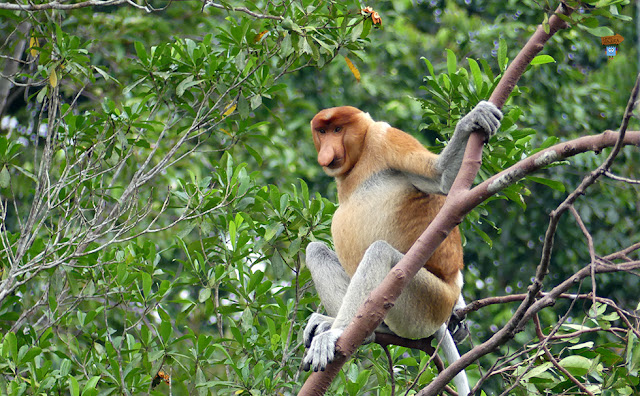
(391, 210)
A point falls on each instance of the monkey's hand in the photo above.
(322, 350)
(485, 118)
(317, 324)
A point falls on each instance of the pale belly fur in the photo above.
(371, 214)
(374, 213)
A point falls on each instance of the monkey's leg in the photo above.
(331, 282)
(329, 278)
(379, 258)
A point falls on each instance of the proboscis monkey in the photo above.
(390, 188)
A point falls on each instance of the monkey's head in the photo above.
(338, 134)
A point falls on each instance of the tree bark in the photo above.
(373, 311)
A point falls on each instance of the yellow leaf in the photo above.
(353, 68)
(53, 78)
(229, 110)
(33, 46)
(259, 36)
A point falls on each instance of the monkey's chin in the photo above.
(333, 172)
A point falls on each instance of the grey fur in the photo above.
(485, 118)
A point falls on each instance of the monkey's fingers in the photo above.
(317, 324)
(321, 351)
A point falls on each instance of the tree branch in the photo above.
(55, 5)
(554, 361)
(243, 9)
(373, 311)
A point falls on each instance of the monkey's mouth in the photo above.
(336, 163)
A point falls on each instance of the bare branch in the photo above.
(620, 178)
(55, 5)
(554, 361)
(243, 9)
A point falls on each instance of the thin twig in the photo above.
(553, 360)
(391, 374)
(620, 178)
(55, 5)
(592, 252)
(243, 9)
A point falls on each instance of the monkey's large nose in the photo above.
(326, 156)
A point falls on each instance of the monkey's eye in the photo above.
(321, 131)
(338, 129)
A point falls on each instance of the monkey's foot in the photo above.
(317, 324)
(458, 327)
(322, 350)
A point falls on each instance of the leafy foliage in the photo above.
(159, 187)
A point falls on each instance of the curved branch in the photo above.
(530, 306)
(373, 311)
(55, 5)
(245, 10)
(554, 361)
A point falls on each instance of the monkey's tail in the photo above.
(451, 354)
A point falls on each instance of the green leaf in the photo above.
(256, 101)
(186, 84)
(537, 371)
(254, 153)
(577, 365)
(633, 353)
(42, 94)
(243, 107)
(247, 319)
(357, 31)
(600, 31)
(542, 59)
(502, 54)
(475, 72)
(165, 330)
(90, 386)
(10, 346)
(272, 230)
(204, 294)
(590, 22)
(5, 178)
(429, 67)
(451, 62)
(545, 24)
(286, 46)
(141, 51)
(74, 387)
(146, 284)
(121, 272)
(232, 233)
(305, 190)
(201, 379)
(556, 185)
(30, 354)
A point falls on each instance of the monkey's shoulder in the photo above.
(395, 182)
(382, 137)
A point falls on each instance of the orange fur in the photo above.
(385, 206)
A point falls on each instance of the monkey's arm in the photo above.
(428, 172)
(485, 117)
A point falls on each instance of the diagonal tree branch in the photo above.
(56, 5)
(373, 311)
